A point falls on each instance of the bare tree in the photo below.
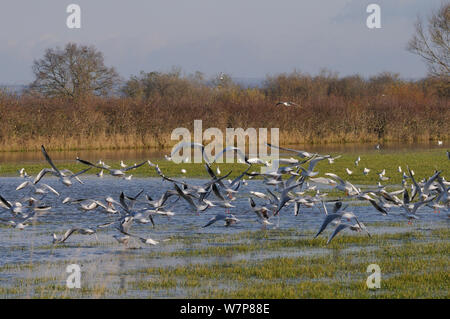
(157, 84)
(73, 72)
(432, 42)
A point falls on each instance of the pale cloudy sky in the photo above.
(245, 38)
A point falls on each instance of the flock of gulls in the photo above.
(290, 188)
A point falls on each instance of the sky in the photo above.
(243, 38)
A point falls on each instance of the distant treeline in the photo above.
(328, 109)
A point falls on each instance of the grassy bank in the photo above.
(423, 163)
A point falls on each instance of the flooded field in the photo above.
(280, 260)
(30, 260)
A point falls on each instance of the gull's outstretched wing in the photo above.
(328, 219)
(133, 167)
(337, 230)
(49, 160)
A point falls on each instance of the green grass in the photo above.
(269, 244)
(423, 162)
(409, 270)
(413, 264)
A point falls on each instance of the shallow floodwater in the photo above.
(34, 242)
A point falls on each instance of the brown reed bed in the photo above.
(329, 110)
